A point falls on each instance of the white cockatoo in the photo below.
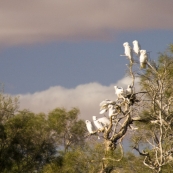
(104, 121)
(143, 58)
(89, 126)
(104, 105)
(112, 110)
(129, 90)
(97, 123)
(119, 91)
(106, 102)
(136, 47)
(103, 110)
(128, 51)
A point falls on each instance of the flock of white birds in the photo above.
(107, 106)
(110, 106)
(142, 54)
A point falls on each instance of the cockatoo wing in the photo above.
(97, 124)
(103, 111)
(127, 50)
(105, 102)
(103, 108)
(129, 53)
(104, 105)
(142, 57)
(89, 126)
(105, 121)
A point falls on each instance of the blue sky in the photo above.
(54, 51)
(36, 68)
(28, 69)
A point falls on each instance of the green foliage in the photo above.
(27, 142)
(30, 141)
(164, 74)
(83, 159)
(133, 163)
(155, 133)
(8, 107)
(66, 127)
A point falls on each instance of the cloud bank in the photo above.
(86, 97)
(32, 21)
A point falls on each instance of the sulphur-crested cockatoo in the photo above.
(129, 90)
(128, 51)
(112, 110)
(103, 120)
(119, 91)
(136, 47)
(104, 105)
(106, 102)
(89, 126)
(97, 123)
(143, 58)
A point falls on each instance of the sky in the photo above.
(67, 53)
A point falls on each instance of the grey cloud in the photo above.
(86, 97)
(32, 21)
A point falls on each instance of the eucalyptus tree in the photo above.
(8, 109)
(28, 143)
(66, 128)
(157, 112)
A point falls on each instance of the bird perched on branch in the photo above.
(104, 105)
(119, 91)
(128, 51)
(104, 121)
(136, 47)
(143, 59)
(129, 90)
(100, 123)
(110, 106)
(112, 110)
(89, 126)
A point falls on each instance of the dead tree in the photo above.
(155, 100)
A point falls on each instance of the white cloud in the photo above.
(86, 97)
(32, 21)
